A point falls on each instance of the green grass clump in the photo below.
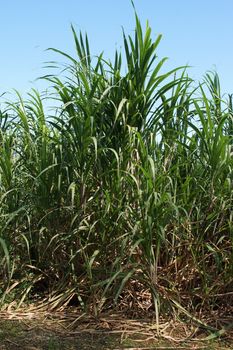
(128, 180)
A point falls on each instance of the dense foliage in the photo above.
(125, 185)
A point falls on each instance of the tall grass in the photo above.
(127, 185)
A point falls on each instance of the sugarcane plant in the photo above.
(126, 185)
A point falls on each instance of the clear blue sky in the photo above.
(195, 32)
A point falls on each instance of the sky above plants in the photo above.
(195, 32)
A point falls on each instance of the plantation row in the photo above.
(125, 186)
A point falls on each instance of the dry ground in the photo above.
(67, 330)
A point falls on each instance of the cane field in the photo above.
(116, 195)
